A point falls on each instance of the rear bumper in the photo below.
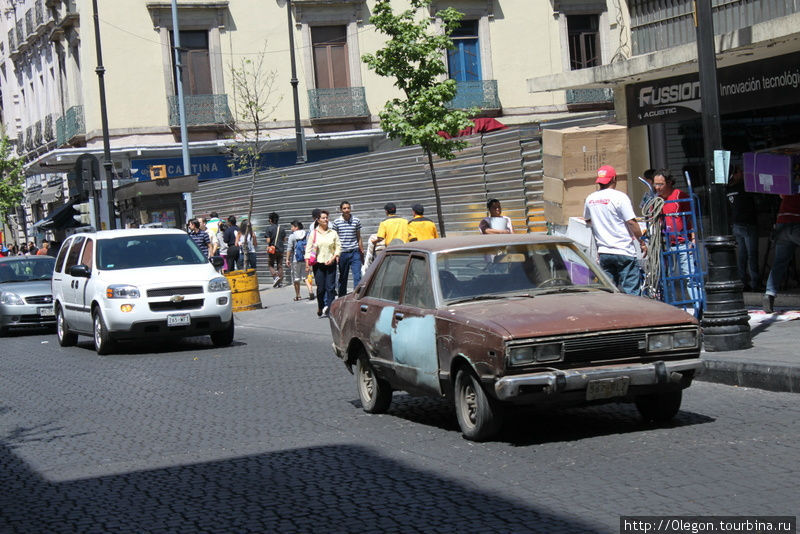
(548, 383)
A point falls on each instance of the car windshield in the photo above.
(154, 250)
(516, 270)
(35, 268)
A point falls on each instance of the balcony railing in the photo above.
(29, 22)
(74, 124)
(12, 43)
(201, 110)
(38, 140)
(20, 32)
(29, 138)
(589, 96)
(49, 134)
(39, 12)
(20, 144)
(480, 94)
(61, 131)
(343, 102)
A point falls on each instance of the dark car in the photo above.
(26, 299)
(492, 321)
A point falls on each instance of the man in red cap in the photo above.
(615, 230)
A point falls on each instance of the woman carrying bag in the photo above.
(322, 251)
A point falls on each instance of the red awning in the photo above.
(482, 125)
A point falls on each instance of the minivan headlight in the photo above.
(218, 284)
(545, 352)
(122, 291)
(7, 297)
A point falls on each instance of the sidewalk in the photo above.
(772, 363)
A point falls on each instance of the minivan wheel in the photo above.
(223, 338)
(479, 416)
(659, 407)
(102, 341)
(65, 337)
(375, 393)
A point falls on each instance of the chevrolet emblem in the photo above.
(177, 298)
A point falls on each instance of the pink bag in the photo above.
(312, 258)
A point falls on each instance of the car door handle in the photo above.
(364, 307)
(399, 316)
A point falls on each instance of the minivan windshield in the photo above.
(516, 270)
(154, 250)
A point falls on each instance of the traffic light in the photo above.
(81, 179)
(81, 214)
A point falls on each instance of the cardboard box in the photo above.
(772, 172)
(565, 198)
(575, 153)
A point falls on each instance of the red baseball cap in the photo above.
(605, 174)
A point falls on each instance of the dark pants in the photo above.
(623, 270)
(325, 276)
(349, 260)
(233, 258)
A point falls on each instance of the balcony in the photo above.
(61, 131)
(29, 138)
(49, 134)
(12, 43)
(29, 23)
(339, 103)
(585, 99)
(201, 110)
(74, 125)
(38, 139)
(479, 94)
(20, 33)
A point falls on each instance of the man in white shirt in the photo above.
(614, 226)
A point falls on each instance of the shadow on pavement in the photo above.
(321, 489)
(155, 346)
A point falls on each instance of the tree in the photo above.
(12, 180)
(253, 104)
(413, 56)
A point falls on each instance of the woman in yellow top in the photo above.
(323, 244)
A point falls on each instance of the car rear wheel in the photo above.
(102, 341)
(223, 338)
(65, 337)
(375, 393)
(479, 416)
(659, 407)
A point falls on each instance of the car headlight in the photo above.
(685, 339)
(218, 284)
(122, 291)
(546, 352)
(7, 297)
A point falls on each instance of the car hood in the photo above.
(28, 288)
(568, 313)
(161, 276)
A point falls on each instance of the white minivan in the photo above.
(135, 284)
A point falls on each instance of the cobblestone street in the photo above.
(268, 436)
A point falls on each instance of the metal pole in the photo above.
(108, 165)
(300, 138)
(187, 167)
(725, 318)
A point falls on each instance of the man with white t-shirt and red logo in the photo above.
(613, 223)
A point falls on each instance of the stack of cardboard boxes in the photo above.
(571, 158)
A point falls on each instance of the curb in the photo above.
(771, 377)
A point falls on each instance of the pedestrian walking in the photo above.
(45, 248)
(199, 237)
(744, 217)
(230, 236)
(420, 228)
(787, 238)
(275, 236)
(296, 259)
(222, 251)
(349, 229)
(650, 194)
(392, 229)
(323, 250)
(212, 236)
(247, 245)
(496, 222)
(613, 223)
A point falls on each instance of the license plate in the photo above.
(179, 319)
(46, 312)
(607, 388)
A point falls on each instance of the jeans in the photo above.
(623, 270)
(325, 276)
(747, 253)
(349, 260)
(787, 238)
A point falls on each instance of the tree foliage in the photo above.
(12, 179)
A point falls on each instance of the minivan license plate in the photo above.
(607, 388)
(179, 319)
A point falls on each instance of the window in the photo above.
(330, 56)
(463, 62)
(74, 253)
(86, 258)
(195, 61)
(388, 280)
(62, 254)
(418, 291)
(583, 34)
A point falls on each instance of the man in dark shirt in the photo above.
(745, 230)
(229, 236)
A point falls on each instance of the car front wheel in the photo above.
(65, 337)
(375, 393)
(479, 416)
(223, 338)
(659, 407)
(102, 341)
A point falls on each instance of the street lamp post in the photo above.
(108, 165)
(300, 139)
(725, 319)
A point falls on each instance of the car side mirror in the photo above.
(216, 261)
(80, 271)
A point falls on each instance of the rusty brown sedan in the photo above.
(492, 321)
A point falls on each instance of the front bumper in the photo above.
(26, 316)
(576, 380)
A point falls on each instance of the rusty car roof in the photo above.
(461, 242)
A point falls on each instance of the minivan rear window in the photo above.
(156, 250)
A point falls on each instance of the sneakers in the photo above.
(768, 303)
(325, 312)
(276, 282)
